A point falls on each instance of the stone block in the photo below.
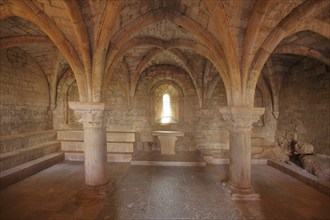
(16, 142)
(121, 136)
(70, 135)
(74, 156)
(119, 157)
(14, 158)
(72, 146)
(120, 147)
(303, 148)
(22, 171)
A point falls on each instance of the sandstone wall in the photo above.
(211, 136)
(305, 104)
(24, 95)
(205, 128)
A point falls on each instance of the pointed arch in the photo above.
(317, 26)
(80, 29)
(177, 54)
(101, 45)
(226, 41)
(21, 40)
(29, 11)
(252, 32)
(289, 25)
(127, 32)
(302, 51)
(172, 44)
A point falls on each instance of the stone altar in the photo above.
(167, 140)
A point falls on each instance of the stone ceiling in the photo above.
(145, 33)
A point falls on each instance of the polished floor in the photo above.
(190, 156)
(158, 192)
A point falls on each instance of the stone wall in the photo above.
(24, 94)
(205, 128)
(211, 136)
(139, 116)
(304, 105)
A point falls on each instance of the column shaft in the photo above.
(240, 159)
(95, 156)
(95, 148)
(239, 121)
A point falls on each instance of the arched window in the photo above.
(166, 112)
(166, 104)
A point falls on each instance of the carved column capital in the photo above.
(240, 119)
(91, 113)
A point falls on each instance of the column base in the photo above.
(91, 193)
(240, 194)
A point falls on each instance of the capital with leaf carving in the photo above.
(240, 119)
(92, 114)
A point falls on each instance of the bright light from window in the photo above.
(166, 114)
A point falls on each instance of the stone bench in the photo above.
(120, 145)
(25, 154)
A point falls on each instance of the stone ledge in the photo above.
(21, 156)
(111, 157)
(301, 175)
(26, 134)
(168, 163)
(11, 154)
(25, 170)
(112, 136)
(24, 140)
(218, 161)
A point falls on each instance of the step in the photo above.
(120, 136)
(121, 147)
(301, 174)
(111, 136)
(15, 158)
(217, 161)
(167, 163)
(70, 135)
(180, 158)
(111, 157)
(119, 157)
(72, 145)
(24, 140)
(25, 170)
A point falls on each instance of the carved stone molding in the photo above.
(276, 114)
(92, 114)
(239, 193)
(240, 119)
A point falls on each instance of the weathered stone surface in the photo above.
(303, 148)
(269, 152)
(304, 106)
(239, 121)
(118, 58)
(20, 110)
(318, 165)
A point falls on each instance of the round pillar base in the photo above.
(240, 193)
(88, 193)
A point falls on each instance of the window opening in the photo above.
(166, 113)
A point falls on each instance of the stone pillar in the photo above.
(95, 150)
(239, 121)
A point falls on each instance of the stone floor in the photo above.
(149, 192)
(183, 156)
(190, 158)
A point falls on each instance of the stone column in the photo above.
(239, 121)
(95, 150)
